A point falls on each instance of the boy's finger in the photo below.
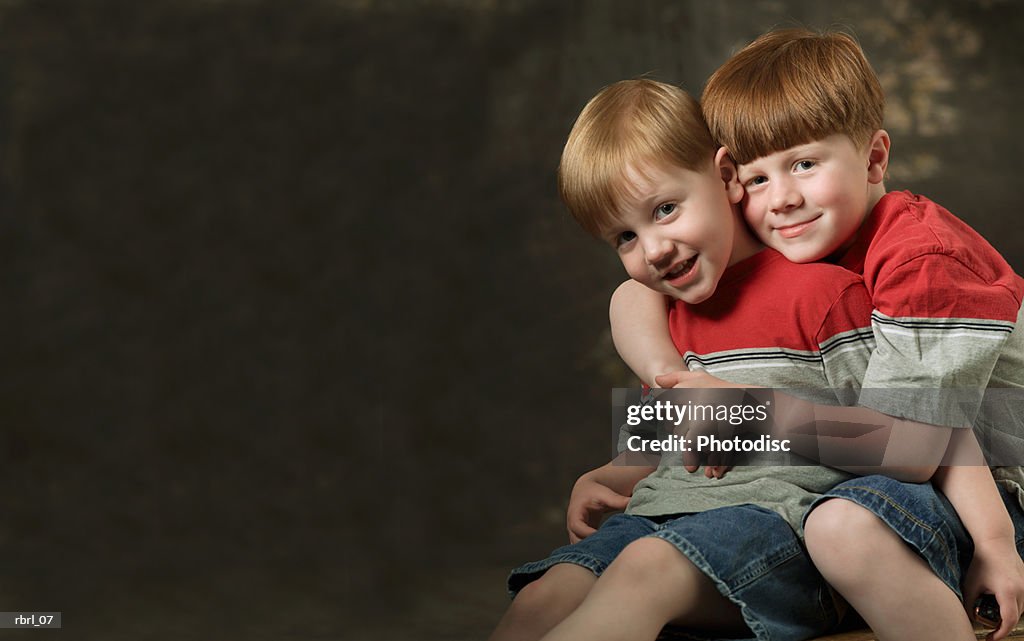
(575, 514)
(1009, 613)
(613, 500)
(668, 380)
(714, 460)
(580, 531)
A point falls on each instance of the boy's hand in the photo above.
(590, 501)
(718, 463)
(996, 569)
(683, 378)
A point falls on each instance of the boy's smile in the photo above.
(796, 229)
(678, 275)
(675, 230)
(808, 201)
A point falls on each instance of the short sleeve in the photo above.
(939, 329)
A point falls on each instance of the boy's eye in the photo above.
(624, 238)
(757, 180)
(664, 210)
(804, 165)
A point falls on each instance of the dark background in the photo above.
(298, 341)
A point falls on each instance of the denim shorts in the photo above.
(751, 554)
(924, 519)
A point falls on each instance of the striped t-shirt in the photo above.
(770, 323)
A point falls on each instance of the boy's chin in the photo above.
(691, 297)
(803, 254)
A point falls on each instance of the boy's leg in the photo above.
(732, 571)
(547, 591)
(544, 603)
(893, 551)
(648, 586)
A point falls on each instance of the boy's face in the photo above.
(675, 232)
(808, 201)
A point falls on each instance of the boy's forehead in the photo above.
(631, 188)
(639, 182)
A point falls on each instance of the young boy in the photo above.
(640, 170)
(801, 114)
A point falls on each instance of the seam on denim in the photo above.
(888, 499)
(540, 567)
(688, 550)
(754, 573)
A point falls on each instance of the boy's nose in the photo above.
(656, 249)
(785, 196)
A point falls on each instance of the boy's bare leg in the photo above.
(544, 603)
(892, 588)
(649, 585)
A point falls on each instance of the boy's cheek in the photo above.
(752, 213)
(639, 273)
(756, 225)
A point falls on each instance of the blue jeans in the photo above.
(751, 555)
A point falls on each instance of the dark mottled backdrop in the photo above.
(298, 342)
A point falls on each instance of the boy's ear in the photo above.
(727, 170)
(878, 156)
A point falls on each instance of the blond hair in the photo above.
(628, 125)
(791, 87)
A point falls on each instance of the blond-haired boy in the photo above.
(801, 114)
(641, 171)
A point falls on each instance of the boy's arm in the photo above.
(855, 439)
(640, 331)
(861, 440)
(948, 322)
(996, 567)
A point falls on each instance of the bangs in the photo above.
(775, 119)
(790, 88)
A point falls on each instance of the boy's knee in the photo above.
(557, 589)
(646, 557)
(839, 531)
(537, 596)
